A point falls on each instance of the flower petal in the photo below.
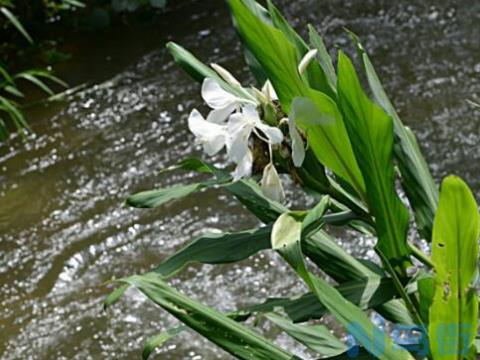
(273, 134)
(298, 147)
(211, 136)
(250, 113)
(244, 167)
(219, 115)
(238, 134)
(271, 184)
(215, 96)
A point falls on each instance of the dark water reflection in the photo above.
(63, 228)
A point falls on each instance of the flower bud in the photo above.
(226, 75)
(271, 184)
(306, 60)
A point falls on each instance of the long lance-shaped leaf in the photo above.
(236, 339)
(365, 294)
(371, 132)
(321, 121)
(255, 67)
(194, 67)
(286, 236)
(218, 249)
(323, 56)
(316, 337)
(199, 71)
(263, 40)
(315, 75)
(454, 311)
(156, 198)
(417, 181)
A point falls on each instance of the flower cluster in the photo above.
(235, 118)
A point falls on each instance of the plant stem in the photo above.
(420, 255)
(401, 291)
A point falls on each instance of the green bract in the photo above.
(317, 124)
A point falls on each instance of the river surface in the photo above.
(64, 231)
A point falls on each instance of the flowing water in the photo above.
(64, 231)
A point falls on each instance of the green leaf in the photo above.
(14, 112)
(426, 291)
(358, 354)
(286, 230)
(416, 177)
(322, 123)
(16, 23)
(236, 339)
(156, 198)
(263, 40)
(35, 81)
(249, 193)
(3, 131)
(74, 3)
(454, 311)
(371, 132)
(316, 337)
(159, 197)
(160, 339)
(315, 75)
(13, 90)
(6, 75)
(199, 71)
(43, 74)
(194, 67)
(314, 219)
(366, 294)
(218, 249)
(322, 249)
(323, 56)
(113, 297)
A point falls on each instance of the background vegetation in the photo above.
(31, 34)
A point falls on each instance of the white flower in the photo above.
(241, 125)
(306, 60)
(212, 136)
(221, 101)
(271, 184)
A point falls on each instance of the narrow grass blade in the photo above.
(16, 23)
